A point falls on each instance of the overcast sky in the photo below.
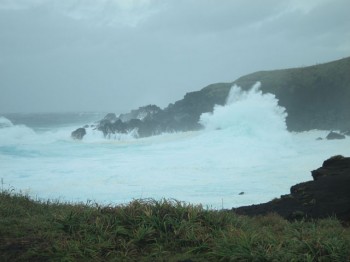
(116, 55)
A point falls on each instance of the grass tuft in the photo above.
(165, 230)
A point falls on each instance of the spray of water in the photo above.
(248, 113)
(245, 146)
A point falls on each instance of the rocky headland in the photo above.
(327, 195)
(150, 120)
(315, 97)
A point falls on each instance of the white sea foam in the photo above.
(95, 136)
(245, 146)
(14, 134)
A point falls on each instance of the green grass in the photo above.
(166, 230)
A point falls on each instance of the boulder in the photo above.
(333, 166)
(334, 135)
(327, 195)
(111, 127)
(110, 117)
(79, 133)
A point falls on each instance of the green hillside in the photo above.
(316, 97)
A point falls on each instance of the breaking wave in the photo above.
(245, 146)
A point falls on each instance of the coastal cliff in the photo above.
(315, 97)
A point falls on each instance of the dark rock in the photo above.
(151, 120)
(319, 138)
(297, 214)
(79, 133)
(144, 112)
(110, 117)
(111, 127)
(133, 124)
(333, 166)
(328, 195)
(334, 135)
(286, 196)
(334, 161)
(241, 193)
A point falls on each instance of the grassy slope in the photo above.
(159, 231)
(316, 97)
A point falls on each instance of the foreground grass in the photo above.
(167, 230)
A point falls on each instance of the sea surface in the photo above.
(244, 147)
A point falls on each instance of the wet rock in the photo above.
(327, 195)
(112, 127)
(79, 133)
(110, 117)
(334, 135)
(333, 166)
(142, 113)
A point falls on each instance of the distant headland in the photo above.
(315, 97)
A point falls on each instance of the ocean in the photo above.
(244, 147)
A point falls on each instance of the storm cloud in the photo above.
(115, 55)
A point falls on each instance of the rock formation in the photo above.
(315, 97)
(150, 120)
(327, 195)
(334, 135)
(79, 133)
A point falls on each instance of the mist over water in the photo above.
(244, 147)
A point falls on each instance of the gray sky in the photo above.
(116, 55)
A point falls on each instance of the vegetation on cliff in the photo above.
(315, 97)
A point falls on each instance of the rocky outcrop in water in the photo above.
(150, 120)
(327, 195)
(334, 135)
(144, 120)
(79, 133)
(144, 112)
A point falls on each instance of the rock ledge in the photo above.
(327, 195)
